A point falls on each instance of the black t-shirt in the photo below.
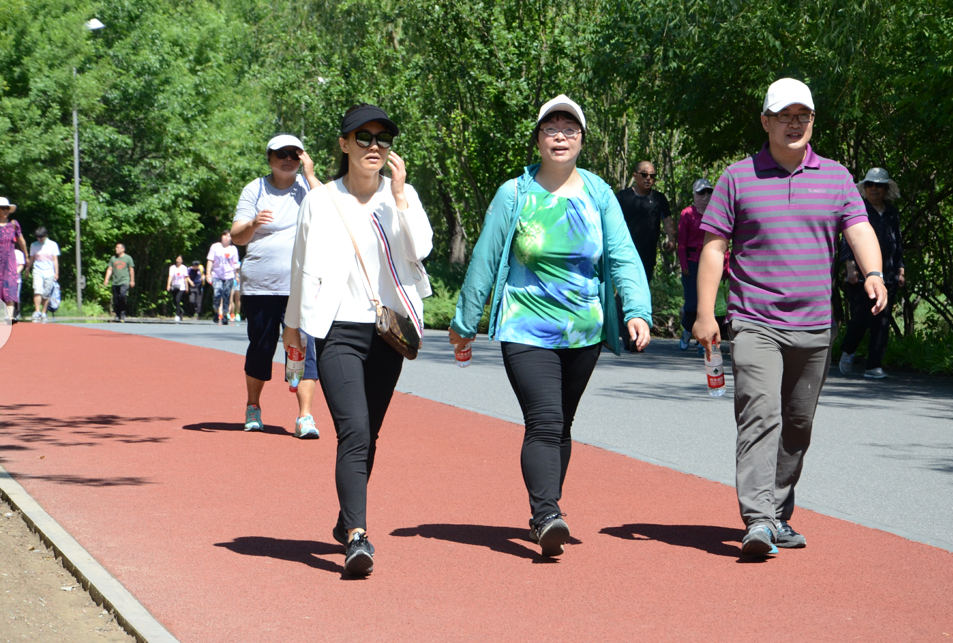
(643, 216)
(887, 227)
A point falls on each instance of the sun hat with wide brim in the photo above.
(880, 175)
(5, 203)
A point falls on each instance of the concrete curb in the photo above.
(102, 586)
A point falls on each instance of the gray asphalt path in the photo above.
(881, 455)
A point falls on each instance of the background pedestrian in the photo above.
(220, 274)
(122, 271)
(690, 241)
(178, 285)
(44, 261)
(11, 237)
(196, 280)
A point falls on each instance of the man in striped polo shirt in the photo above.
(781, 209)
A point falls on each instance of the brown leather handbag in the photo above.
(396, 330)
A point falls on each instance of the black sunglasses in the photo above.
(871, 184)
(646, 175)
(365, 139)
(283, 154)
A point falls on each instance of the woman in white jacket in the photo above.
(331, 301)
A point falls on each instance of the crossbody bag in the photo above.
(398, 331)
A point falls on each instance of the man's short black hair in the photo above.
(41, 232)
(569, 116)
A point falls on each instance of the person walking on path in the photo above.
(21, 264)
(879, 191)
(690, 241)
(646, 210)
(11, 237)
(44, 261)
(235, 303)
(553, 247)
(370, 236)
(782, 210)
(196, 280)
(122, 271)
(177, 284)
(220, 275)
(265, 223)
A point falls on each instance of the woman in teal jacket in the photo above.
(554, 245)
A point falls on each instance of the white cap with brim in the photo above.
(284, 140)
(5, 203)
(785, 92)
(562, 103)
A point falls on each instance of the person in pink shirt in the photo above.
(220, 273)
(691, 238)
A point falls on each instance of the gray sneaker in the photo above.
(875, 373)
(846, 363)
(550, 533)
(788, 538)
(758, 541)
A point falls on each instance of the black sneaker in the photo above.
(788, 538)
(339, 533)
(359, 558)
(551, 533)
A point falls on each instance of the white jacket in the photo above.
(323, 256)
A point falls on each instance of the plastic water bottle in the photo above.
(294, 368)
(464, 356)
(715, 370)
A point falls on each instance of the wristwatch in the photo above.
(874, 273)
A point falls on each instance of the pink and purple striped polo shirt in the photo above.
(783, 231)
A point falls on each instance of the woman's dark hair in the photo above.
(569, 116)
(228, 232)
(343, 167)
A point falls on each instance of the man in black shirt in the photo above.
(646, 211)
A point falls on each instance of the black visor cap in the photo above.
(364, 115)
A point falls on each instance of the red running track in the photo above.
(225, 536)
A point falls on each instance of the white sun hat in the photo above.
(562, 103)
(5, 202)
(784, 92)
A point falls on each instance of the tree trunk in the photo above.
(455, 231)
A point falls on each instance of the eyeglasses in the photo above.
(871, 184)
(705, 192)
(286, 152)
(569, 132)
(382, 139)
(787, 118)
(646, 175)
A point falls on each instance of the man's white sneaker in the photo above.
(846, 363)
(875, 373)
(177, 318)
(684, 340)
(36, 316)
(43, 317)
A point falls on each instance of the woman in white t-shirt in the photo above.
(265, 220)
(178, 285)
(331, 301)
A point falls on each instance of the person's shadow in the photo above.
(720, 541)
(208, 427)
(505, 540)
(307, 552)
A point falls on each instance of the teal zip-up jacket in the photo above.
(489, 266)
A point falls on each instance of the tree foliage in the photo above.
(176, 100)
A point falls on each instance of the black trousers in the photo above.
(195, 300)
(359, 371)
(119, 299)
(548, 384)
(178, 296)
(861, 320)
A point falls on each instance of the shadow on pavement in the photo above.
(720, 541)
(498, 539)
(122, 481)
(231, 426)
(22, 425)
(306, 552)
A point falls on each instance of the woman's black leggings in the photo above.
(359, 371)
(177, 296)
(548, 384)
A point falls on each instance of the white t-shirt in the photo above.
(178, 274)
(21, 261)
(356, 305)
(224, 261)
(266, 268)
(43, 254)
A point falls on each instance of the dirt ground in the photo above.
(40, 601)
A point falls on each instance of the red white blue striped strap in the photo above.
(414, 317)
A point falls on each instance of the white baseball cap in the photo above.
(562, 103)
(784, 92)
(284, 140)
